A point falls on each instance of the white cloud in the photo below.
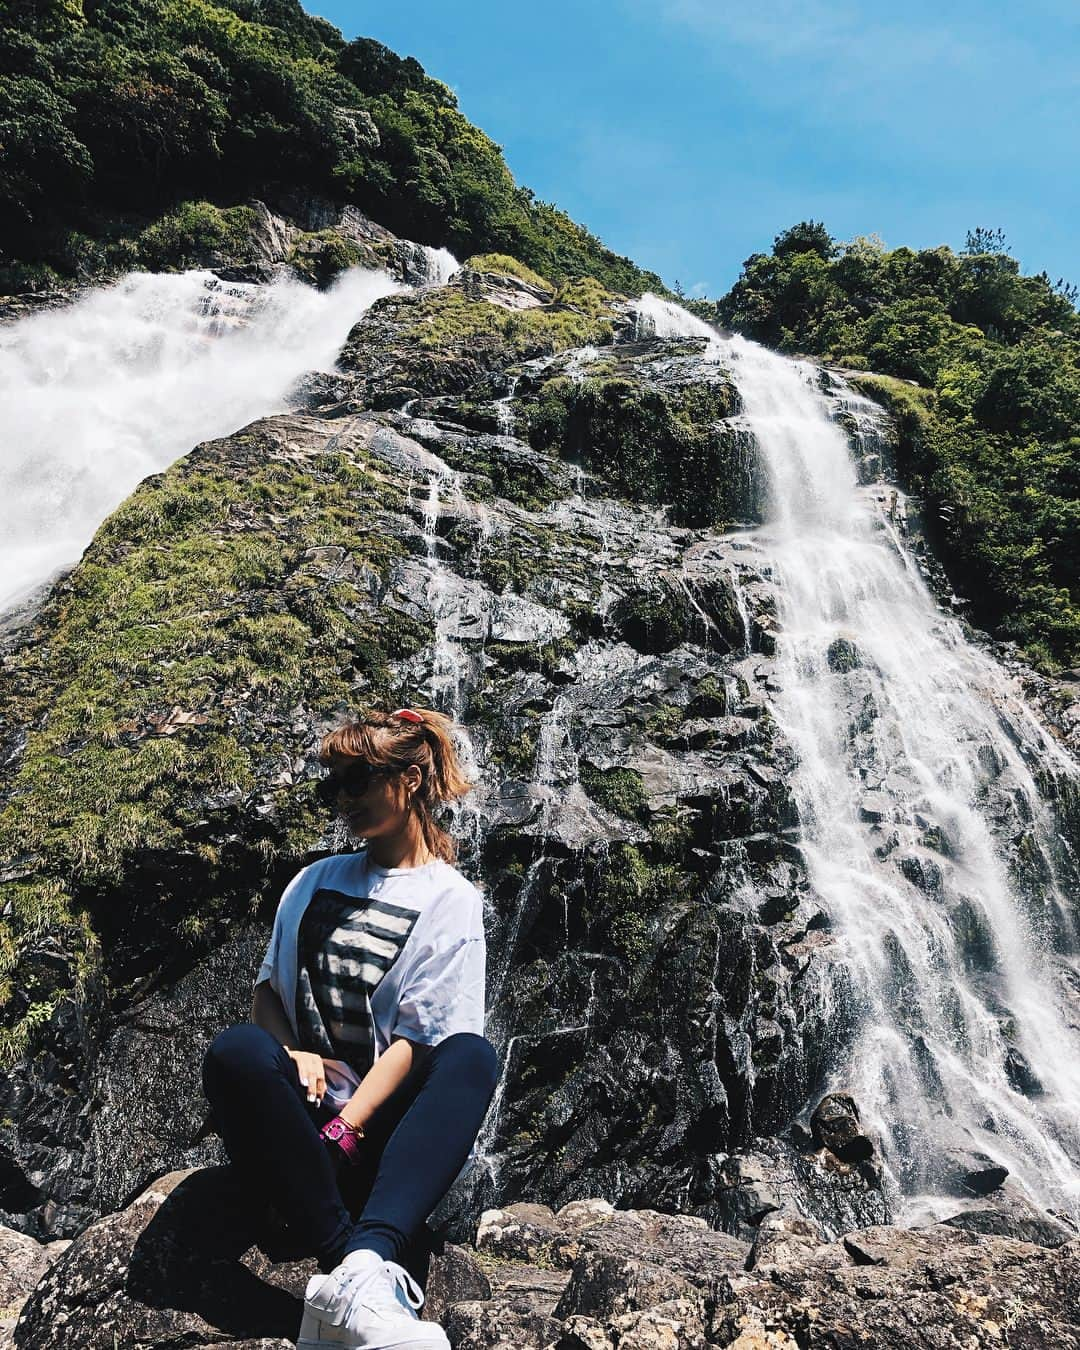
(855, 44)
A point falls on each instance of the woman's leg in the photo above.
(428, 1144)
(271, 1137)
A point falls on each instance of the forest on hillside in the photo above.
(127, 125)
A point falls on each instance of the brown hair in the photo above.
(425, 739)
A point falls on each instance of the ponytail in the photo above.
(398, 740)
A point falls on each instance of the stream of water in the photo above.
(924, 831)
(99, 394)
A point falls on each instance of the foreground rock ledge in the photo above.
(179, 1266)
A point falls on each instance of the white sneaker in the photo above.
(366, 1303)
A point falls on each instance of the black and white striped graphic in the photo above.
(345, 945)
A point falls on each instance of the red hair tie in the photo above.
(407, 715)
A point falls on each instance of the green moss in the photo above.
(901, 397)
(516, 754)
(663, 447)
(447, 319)
(203, 591)
(619, 790)
(710, 698)
(540, 656)
(664, 720)
(627, 890)
(324, 255)
(503, 263)
(671, 833)
(525, 481)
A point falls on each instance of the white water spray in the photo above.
(914, 786)
(96, 396)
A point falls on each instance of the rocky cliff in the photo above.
(468, 511)
(516, 502)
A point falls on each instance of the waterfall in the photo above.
(95, 396)
(923, 829)
(434, 266)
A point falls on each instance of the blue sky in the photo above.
(687, 133)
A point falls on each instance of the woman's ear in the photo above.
(412, 777)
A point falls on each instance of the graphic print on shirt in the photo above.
(345, 945)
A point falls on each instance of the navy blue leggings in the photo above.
(416, 1142)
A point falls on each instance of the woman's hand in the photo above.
(309, 1067)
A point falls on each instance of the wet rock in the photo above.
(834, 1125)
(1009, 1213)
(843, 655)
(875, 807)
(969, 1172)
(1020, 1073)
(778, 1176)
(652, 620)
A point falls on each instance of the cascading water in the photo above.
(923, 828)
(95, 396)
(431, 266)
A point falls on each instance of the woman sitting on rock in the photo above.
(362, 1084)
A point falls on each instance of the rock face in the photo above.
(178, 1266)
(511, 503)
(649, 926)
(22, 1264)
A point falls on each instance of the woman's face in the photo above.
(380, 808)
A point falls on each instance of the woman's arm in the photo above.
(268, 1012)
(383, 1079)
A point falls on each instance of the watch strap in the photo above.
(344, 1136)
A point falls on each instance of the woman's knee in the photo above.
(472, 1056)
(243, 1051)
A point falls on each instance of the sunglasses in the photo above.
(353, 781)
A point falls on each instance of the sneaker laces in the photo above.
(401, 1286)
(384, 1288)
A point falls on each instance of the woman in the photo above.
(364, 1079)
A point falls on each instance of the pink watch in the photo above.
(344, 1136)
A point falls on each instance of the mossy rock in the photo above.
(321, 257)
(663, 446)
(503, 265)
(653, 620)
(843, 656)
(445, 341)
(218, 619)
(619, 790)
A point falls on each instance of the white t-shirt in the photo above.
(384, 952)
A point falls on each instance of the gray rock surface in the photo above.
(23, 1262)
(177, 1268)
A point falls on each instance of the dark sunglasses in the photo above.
(353, 781)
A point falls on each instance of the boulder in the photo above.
(969, 1172)
(1009, 1213)
(23, 1262)
(834, 1124)
(189, 1263)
